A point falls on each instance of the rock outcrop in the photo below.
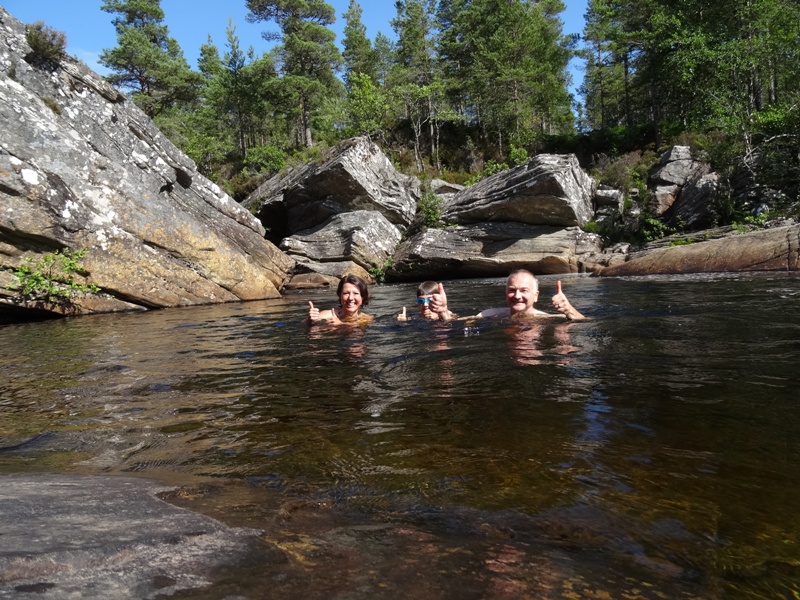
(549, 189)
(346, 214)
(491, 250)
(364, 237)
(683, 189)
(523, 217)
(775, 249)
(354, 175)
(80, 167)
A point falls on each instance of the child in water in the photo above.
(431, 303)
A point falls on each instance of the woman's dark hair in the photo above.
(359, 283)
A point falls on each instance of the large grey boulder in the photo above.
(80, 167)
(695, 205)
(679, 188)
(610, 205)
(364, 237)
(776, 249)
(354, 175)
(491, 250)
(547, 190)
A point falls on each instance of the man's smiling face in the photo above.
(522, 292)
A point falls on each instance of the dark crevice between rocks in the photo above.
(10, 314)
(183, 178)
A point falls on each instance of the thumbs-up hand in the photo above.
(313, 313)
(439, 300)
(402, 316)
(560, 302)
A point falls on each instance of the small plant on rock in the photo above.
(51, 279)
(379, 273)
(48, 45)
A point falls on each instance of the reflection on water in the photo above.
(653, 449)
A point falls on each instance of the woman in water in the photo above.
(353, 294)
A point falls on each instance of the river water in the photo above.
(652, 451)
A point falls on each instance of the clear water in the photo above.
(653, 451)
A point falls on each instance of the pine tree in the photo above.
(146, 61)
(308, 55)
(359, 55)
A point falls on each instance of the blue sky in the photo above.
(190, 22)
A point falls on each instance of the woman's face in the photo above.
(350, 299)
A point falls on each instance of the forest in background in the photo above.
(470, 87)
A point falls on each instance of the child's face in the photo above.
(424, 307)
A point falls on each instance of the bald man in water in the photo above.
(522, 291)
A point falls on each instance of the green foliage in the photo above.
(490, 168)
(591, 227)
(147, 62)
(379, 273)
(308, 54)
(242, 184)
(304, 156)
(52, 278)
(360, 58)
(627, 172)
(48, 46)
(429, 207)
(506, 62)
(366, 105)
(517, 156)
(265, 159)
(652, 229)
(751, 222)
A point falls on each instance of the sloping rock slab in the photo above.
(549, 189)
(775, 249)
(354, 175)
(491, 250)
(106, 537)
(364, 237)
(80, 167)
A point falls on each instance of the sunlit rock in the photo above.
(547, 190)
(354, 175)
(364, 237)
(776, 249)
(492, 250)
(81, 167)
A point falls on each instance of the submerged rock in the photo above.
(67, 536)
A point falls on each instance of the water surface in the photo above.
(652, 451)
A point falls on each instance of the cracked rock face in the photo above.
(355, 175)
(81, 167)
(550, 189)
(366, 238)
